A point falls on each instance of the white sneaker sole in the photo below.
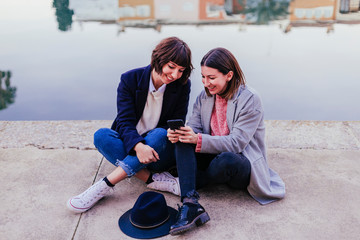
(75, 209)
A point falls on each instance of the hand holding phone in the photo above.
(175, 124)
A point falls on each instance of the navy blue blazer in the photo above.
(131, 99)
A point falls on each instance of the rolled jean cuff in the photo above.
(128, 170)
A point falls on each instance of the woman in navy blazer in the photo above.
(137, 142)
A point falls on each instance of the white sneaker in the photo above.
(165, 182)
(87, 199)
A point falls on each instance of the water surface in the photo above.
(62, 60)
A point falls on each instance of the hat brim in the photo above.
(142, 233)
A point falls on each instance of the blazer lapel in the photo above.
(142, 91)
(231, 108)
(169, 98)
(206, 110)
(141, 96)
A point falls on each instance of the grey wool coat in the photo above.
(245, 119)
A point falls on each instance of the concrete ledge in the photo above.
(43, 163)
(330, 135)
(280, 134)
(50, 134)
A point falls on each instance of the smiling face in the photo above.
(170, 73)
(215, 81)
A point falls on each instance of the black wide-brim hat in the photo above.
(149, 218)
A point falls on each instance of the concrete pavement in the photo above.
(43, 163)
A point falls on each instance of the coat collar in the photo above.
(143, 83)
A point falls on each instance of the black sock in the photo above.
(108, 182)
(150, 180)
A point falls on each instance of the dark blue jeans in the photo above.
(196, 170)
(110, 145)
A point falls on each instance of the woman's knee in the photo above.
(100, 135)
(226, 160)
(233, 169)
(231, 161)
(157, 138)
(158, 132)
(233, 157)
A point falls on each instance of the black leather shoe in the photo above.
(189, 216)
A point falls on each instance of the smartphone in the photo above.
(175, 124)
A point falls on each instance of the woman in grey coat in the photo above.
(223, 142)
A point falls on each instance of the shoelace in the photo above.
(90, 197)
(163, 178)
(180, 210)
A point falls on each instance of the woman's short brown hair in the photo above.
(224, 61)
(175, 50)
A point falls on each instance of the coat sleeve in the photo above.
(126, 117)
(245, 125)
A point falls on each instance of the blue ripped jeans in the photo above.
(109, 144)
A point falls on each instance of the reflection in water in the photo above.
(347, 6)
(63, 14)
(7, 94)
(156, 13)
(299, 70)
(266, 11)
